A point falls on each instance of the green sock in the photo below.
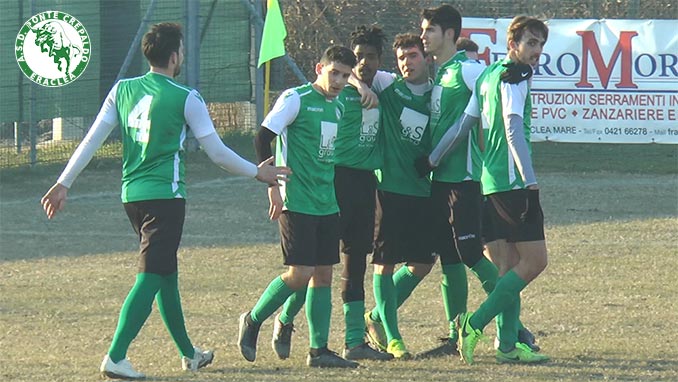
(503, 295)
(405, 282)
(454, 288)
(134, 312)
(385, 299)
(355, 323)
(487, 273)
(273, 297)
(508, 325)
(292, 306)
(318, 314)
(169, 305)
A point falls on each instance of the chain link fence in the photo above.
(39, 124)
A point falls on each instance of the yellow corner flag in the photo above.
(273, 37)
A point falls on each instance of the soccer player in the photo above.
(305, 121)
(154, 112)
(403, 207)
(469, 47)
(357, 155)
(517, 223)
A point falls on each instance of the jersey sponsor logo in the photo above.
(52, 48)
(413, 125)
(403, 95)
(315, 109)
(328, 134)
(436, 94)
(370, 127)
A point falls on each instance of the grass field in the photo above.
(605, 308)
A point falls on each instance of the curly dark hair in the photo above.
(372, 36)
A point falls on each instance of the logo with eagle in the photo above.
(52, 48)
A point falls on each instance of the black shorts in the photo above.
(403, 229)
(356, 196)
(309, 239)
(516, 216)
(159, 225)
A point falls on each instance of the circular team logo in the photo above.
(52, 48)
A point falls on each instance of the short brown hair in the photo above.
(520, 24)
(408, 40)
(340, 54)
(160, 42)
(467, 44)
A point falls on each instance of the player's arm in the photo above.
(513, 99)
(198, 118)
(284, 112)
(368, 98)
(107, 119)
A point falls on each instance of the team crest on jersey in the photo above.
(413, 125)
(52, 48)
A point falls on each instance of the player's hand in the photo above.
(368, 98)
(267, 173)
(275, 203)
(423, 166)
(516, 73)
(54, 200)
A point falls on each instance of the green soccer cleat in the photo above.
(468, 338)
(375, 333)
(521, 354)
(398, 349)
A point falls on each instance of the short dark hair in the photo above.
(340, 54)
(373, 36)
(467, 44)
(521, 23)
(160, 42)
(408, 40)
(445, 16)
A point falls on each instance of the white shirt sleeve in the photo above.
(105, 122)
(284, 112)
(197, 116)
(513, 98)
(472, 107)
(382, 80)
(470, 70)
(226, 158)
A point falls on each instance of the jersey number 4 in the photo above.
(138, 119)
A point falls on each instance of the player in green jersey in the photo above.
(154, 113)
(516, 235)
(357, 155)
(305, 120)
(455, 190)
(403, 197)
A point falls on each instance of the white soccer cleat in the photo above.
(121, 370)
(199, 360)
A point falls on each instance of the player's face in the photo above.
(368, 62)
(529, 48)
(412, 64)
(179, 58)
(432, 37)
(332, 77)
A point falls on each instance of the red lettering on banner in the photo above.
(623, 48)
(492, 33)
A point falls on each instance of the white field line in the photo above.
(215, 183)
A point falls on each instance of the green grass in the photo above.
(605, 308)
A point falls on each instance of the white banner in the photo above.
(612, 81)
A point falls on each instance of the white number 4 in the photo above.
(138, 119)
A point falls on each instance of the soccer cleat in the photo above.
(521, 354)
(398, 349)
(376, 335)
(526, 337)
(282, 338)
(247, 337)
(364, 351)
(121, 370)
(200, 359)
(447, 348)
(328, 358)
(468, 338)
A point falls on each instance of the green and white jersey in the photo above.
(151, 112)
(357, 145)
(453, 87)
(496, 101)
(404, 121)
(306, 124)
